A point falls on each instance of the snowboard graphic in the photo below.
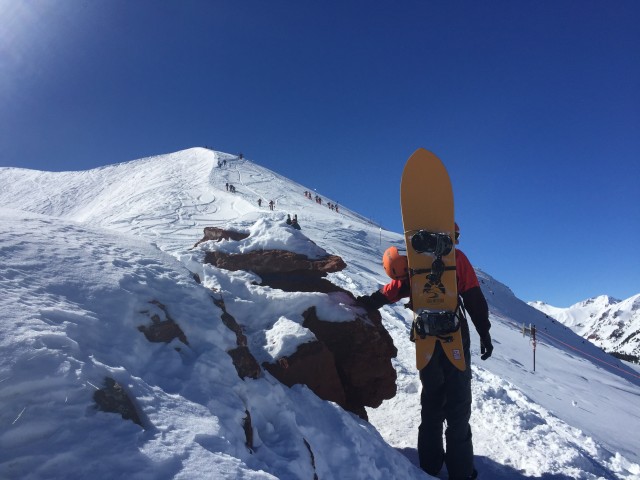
(426, 199)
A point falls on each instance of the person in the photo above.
(446, 391)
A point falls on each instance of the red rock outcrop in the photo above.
(288, 271)
(216, 234)
(350, 362)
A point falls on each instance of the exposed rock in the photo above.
(248, 430)
(112, 398)
(363, 350)
(314, 366)
(162, 330)
(217, 234)
(349, 363)
(230, 323)
(313, 459)
(288, 271)
(245, 363)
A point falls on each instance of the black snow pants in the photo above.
(446, 395)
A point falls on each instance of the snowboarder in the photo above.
(288, 219)
(446, 391)
(259, 202)
(294, 222)
(271, 204)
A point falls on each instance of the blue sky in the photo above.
(534, 106)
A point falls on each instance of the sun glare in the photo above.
(28, 41)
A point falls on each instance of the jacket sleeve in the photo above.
(472, 296)
(476, 305)
(395, 290)
(390, 293)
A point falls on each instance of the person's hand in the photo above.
(486, 347)
(373, 301)
(365, 301)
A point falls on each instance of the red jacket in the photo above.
(465, 275)
(468, 289)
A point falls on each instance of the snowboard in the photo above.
(426, 199)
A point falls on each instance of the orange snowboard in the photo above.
(426, 199)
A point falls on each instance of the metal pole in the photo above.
(533, 336)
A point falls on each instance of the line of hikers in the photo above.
(332, 206)
(223, 163)
(272, 204)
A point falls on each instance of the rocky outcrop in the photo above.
(217, 234)
(281, 269)
(349, 363)
(362, 350)
(313, 365)
(245, 363)
(160, 330)
(113, 398)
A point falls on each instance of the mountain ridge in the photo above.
(139, 230)
(609, 323)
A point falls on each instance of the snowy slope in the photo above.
(84, 254)
(613, 325)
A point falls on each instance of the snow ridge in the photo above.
(609, 323)
(87, 257)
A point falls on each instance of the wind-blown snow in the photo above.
(87, 257)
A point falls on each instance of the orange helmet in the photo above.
(396, 265)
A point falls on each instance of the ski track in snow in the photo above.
(566, 425)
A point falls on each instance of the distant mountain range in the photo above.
(611, 324)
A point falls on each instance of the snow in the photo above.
(88, 257)
(285, 336)
(611, 324)
(264, 235)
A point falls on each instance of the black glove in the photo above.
(486, 347)
(365, 301)
(373, 301)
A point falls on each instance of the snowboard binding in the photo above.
(438, 324)
(437, 244)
